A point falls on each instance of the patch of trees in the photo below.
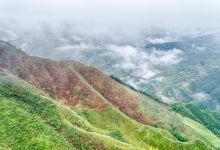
(210, 120)
(178, 136)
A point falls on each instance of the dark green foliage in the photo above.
(117, 135)
(178, 136)
(156, 125)
(208, 119)
(184, 111)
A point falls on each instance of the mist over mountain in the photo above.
(67, 105)
(110, 74)
(142, 60)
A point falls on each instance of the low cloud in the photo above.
(169, 57)
(159, 79)
(161, 39)
(127, 53)
(217, 108)
(199, 48)
(144, 59)
(201, 97)
(142, 63)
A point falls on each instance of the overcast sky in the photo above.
(118, 14)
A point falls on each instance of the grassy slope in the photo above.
(85, 87)
(210, 120)
(131, 132)
(163, 117)
(125, 100)
(32, 121)
(130, 102)
(204, 132)
(69, 82)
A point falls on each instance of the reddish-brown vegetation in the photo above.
(122, 98)
(72, 83)
(58, 79)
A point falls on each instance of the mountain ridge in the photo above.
(95, 106)
(59, 78)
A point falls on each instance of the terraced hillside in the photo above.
(196, 76)
(67, 105)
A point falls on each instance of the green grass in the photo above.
(22, 130)
(204, 132)
(32, 120)
(208, 119)
(160, 114)
(130, 131)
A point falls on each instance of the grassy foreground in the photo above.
(32, 120)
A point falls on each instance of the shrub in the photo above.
(178, 136)
(116, 135)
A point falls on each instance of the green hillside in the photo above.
(192, 121)
(209, 119)
(67, 105)
(202, 130)
(32, 120)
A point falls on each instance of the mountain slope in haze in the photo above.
(72, 83)
(175, 71)
(63, 82)
(77, 106)
(32, 120)
(196, 77)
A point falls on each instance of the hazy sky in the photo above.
(114, 30)
(120, 14)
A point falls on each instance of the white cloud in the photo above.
(125, 15)
(166, 99)
(127, 52)
(159, 79)
(144, 73)
(142, 63)
(132, 83)
(198, 47)
(169, 57)
(217, 108)
(161, 39)
(142, 59)
(201, 97)
(80, 46)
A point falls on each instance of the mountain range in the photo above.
(47, 104)
(181, 69)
